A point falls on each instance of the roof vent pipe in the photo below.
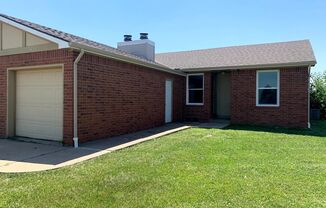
(127, 38)
(143, 36)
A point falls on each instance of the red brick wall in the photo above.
(201, 112)
(293, 108)
(62, 56)
(117, 98)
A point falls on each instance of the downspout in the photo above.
(75, 139)
(309, 126)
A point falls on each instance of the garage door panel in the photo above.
(31, 95)
(39, 104)
(48, 131)
(39, 113)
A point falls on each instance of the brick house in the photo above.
(61, 87)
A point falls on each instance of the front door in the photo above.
(223, 98)
(168, 101)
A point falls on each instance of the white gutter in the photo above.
(108, 54)
(76, 98)
(309, 125)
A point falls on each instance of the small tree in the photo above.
(318, 93)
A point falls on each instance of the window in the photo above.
(268, 88)
(195, 89)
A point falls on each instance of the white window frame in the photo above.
(277, 88)
(203, 89)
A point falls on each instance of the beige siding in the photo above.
(32, 40)
(11, 37)
(16, 41)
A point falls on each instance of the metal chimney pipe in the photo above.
(127, 38)
(143, 36)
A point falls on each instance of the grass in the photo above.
(242, 166)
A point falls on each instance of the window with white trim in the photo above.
(195, 89)
(268, 88)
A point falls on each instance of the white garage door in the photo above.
(39, 104)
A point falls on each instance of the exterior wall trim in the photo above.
(29, 49)
(36, 67)
(309, 70)
(0, 36)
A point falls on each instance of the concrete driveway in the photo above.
(22, 156)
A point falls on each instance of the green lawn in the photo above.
(241, 166)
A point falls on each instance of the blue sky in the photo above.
(183, 25)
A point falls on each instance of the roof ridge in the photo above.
(235, 46)
(267, 54)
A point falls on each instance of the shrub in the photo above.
(318, 92)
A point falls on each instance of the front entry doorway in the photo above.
(221, 95)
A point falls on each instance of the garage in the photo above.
(39, 103)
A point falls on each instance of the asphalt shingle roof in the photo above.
(294, 52)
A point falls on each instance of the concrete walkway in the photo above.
(30, 156)
(21, 156)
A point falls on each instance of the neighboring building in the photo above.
(61, 87)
